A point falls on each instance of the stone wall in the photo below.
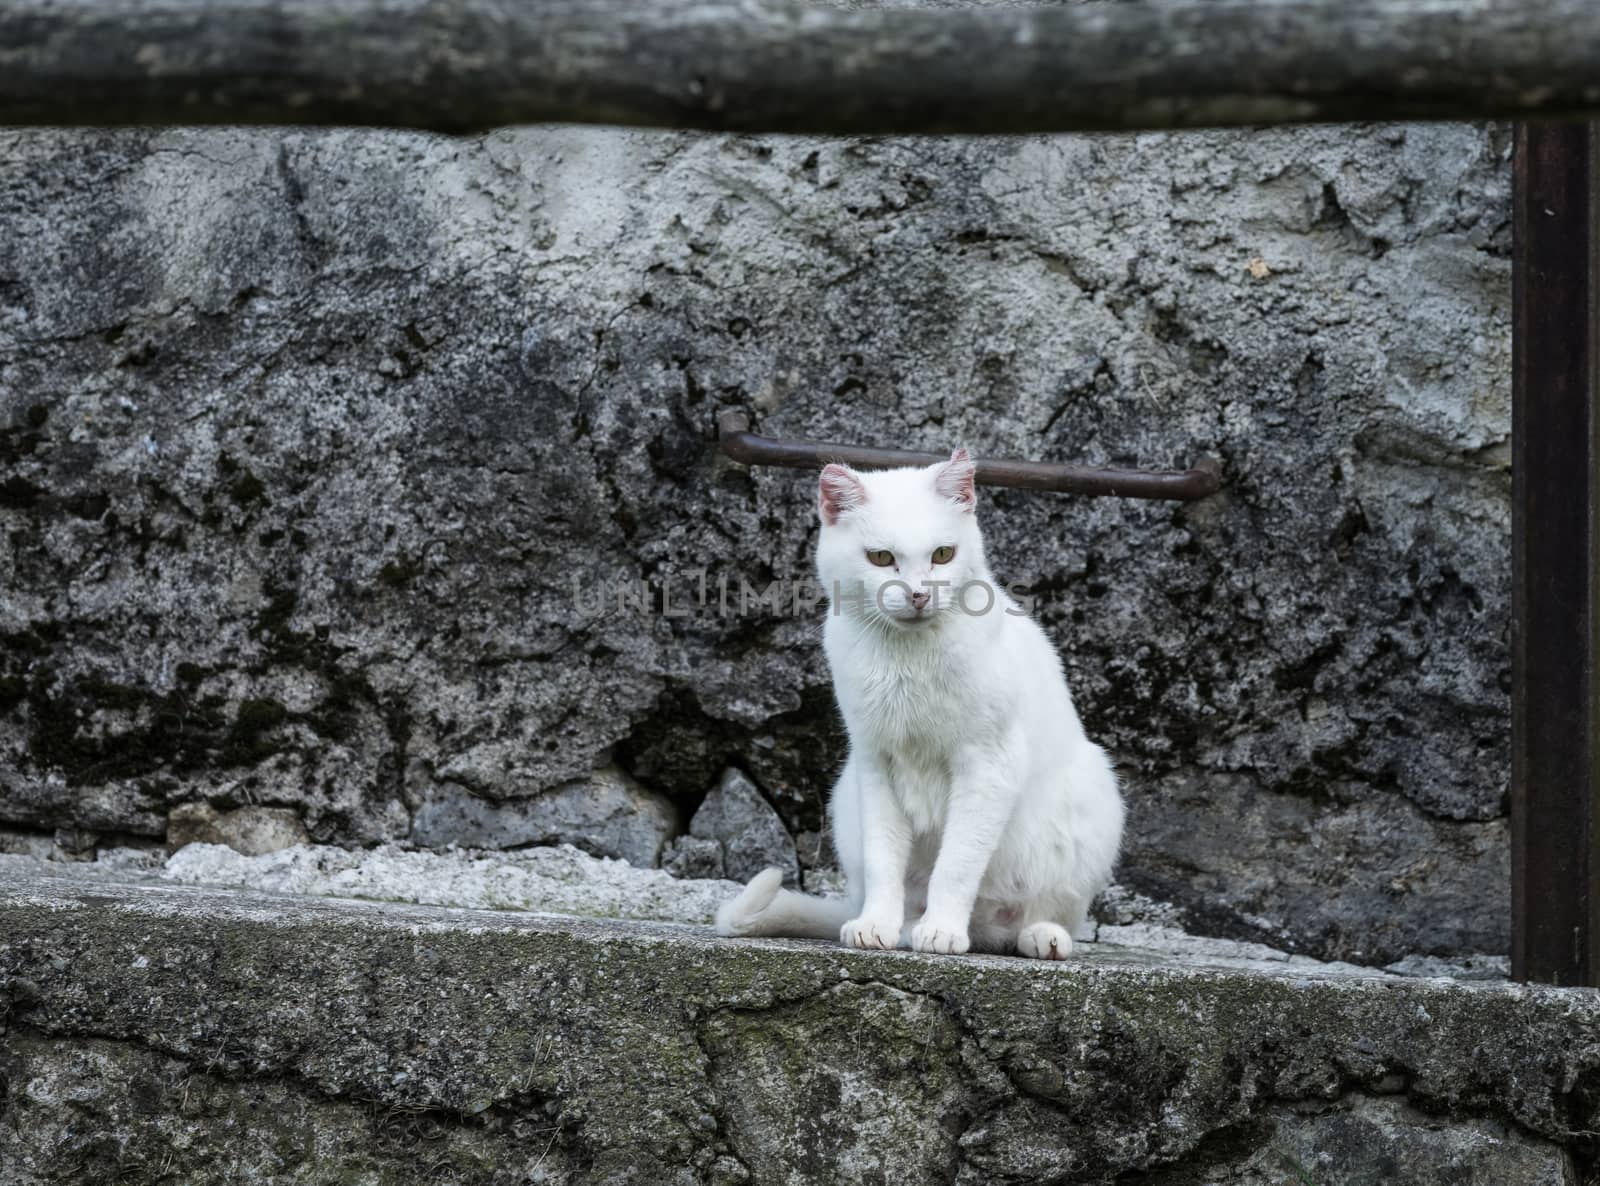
(154, 1035)
(306, 438)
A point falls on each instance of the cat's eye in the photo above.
(881, 557)
(945, 554)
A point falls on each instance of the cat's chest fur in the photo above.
(912, 705)
(913, 699)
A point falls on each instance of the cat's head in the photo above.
(889, 538)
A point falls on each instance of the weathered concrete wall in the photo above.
(152, 1035)
(307, 436)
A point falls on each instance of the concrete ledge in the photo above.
(158, 1034)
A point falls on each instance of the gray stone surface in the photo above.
(694, 856)
(608, 814)
(150, 1034)
(735, 833)
(566, 881)
(1365, 1140)
(306, 437)
(559, 880)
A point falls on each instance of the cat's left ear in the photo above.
(956, 479)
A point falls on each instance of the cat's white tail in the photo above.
(766, 908)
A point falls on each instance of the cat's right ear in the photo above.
(839, 491)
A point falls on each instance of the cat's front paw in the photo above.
(1044, 941)
(868, 933)
(939, 938)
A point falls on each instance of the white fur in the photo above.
(973, 811)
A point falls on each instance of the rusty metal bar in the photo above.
(1205, 477)
(1555, 777)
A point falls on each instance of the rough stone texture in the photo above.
(559, 880)
(148, 1033)
(799, 65)
(564, 880)
(110, 1111)
(1366, 1140)
(693, 856)
(607, 814)
(306, 437)
(735, 834)
(25, 854)
(250, 830)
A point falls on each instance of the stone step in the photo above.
(155, 1033)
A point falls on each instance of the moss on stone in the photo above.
(397, 574)
(19, 493)
(103, 693)
(247, 489)
(661, 1053)
(243, 486)
(247, 742)
(173, 730)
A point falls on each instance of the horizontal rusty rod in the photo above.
(1203, 478)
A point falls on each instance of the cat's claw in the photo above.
(865, 933)
(1044, 941)
(945, 939)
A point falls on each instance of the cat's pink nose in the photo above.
(918, 600)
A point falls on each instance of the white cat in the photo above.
(973, 811)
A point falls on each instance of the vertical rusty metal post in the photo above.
(1555, 778)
